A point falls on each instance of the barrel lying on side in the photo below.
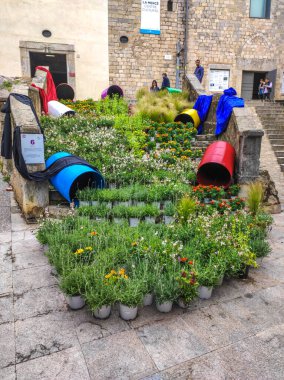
(217, 165)
(188, 116)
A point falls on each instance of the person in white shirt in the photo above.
(267, 89)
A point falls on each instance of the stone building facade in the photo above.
(69, 37)
(144, 57)
(230, 43)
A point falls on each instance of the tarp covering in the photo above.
(225, 107)
(49, 93)
(202, 106)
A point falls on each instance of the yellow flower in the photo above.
(89, 248)
(113, 271)
(125, 276)
(79, 251)
(134, 244)
(121, 271)
(108, 275)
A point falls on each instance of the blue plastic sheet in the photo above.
(202, 106)
(225, 107)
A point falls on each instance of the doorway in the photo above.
(250, 83)
(56, 64)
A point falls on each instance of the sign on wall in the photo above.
(218, 79)
(150, 17)
(32, 148)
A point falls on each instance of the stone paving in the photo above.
(237, 334)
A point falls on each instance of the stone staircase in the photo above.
(202, 142)
(271, 116)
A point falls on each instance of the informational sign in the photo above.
(150, 17)
(219, 80)
(282, 88)
(32, 148)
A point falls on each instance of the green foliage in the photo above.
(255, 197)
(73, 282)
(161, 106)
(186, 208)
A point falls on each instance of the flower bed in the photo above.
(106, 262)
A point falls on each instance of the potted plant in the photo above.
(99, 294)
(187, 286)
(72, 283)
(150, 213)
(185, 208)
(207, 278)
(233, 190)
(84, 197)
(166, 291)
(130, 296)
(134, 215)
(169, 212)
(119, 213)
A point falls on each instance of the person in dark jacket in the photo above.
(199, 71)
(166, 81)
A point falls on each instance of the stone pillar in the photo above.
(31, 196)
(249, 153)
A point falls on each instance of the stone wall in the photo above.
(135, 64)
(220, 33)
(223, 36)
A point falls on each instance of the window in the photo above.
(170, 6)
(218, 80)
(260, 8)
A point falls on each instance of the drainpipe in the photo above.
(186, 35)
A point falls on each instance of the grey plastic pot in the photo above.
(103, 312)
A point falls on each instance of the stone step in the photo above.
(207, 137)
(277, 141)
(279, 153)
(200, 144)
(278, 148)
(274, 136)
(280, 160)
(271, 129)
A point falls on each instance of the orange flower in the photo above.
(94, 233)
(183, 259)
(190, 262)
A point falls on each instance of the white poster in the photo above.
(219, 80)
(150, 17)
(32, 148)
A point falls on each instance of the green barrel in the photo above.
(174, 90)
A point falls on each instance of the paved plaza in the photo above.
(237, 334)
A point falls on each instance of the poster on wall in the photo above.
(219, 80)
(150, 17)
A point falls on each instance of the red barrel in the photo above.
(217, 165)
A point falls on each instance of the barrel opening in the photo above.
(114, 90)
(88, 179)
(213, 174)
(184, 118)
(65, 91)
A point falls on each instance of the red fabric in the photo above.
(50, 93)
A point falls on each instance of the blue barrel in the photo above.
(73, 178)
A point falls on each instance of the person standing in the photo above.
(166, 81)
(199, 71)
(154, 87)
(267, 89)
(261, 89)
